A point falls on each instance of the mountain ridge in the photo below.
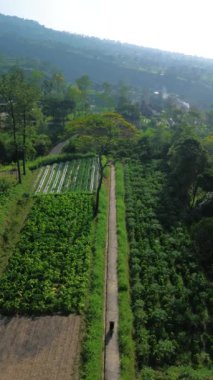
(189, 77)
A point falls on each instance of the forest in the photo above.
(53, 208)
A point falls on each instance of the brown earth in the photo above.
(39, 348)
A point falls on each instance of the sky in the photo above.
(176, 25)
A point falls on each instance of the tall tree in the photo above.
(187, 163)
(9, 84)
(19, 96)
(58, 101)
(28, 94)
(84, 85)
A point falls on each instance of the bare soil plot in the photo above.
(39, 348)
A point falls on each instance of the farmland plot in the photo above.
(49, 270)
(169, 290)
(45, 348)
(75, 175)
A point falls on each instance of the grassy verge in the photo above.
(13, 213)
(92, 354)
(177, 373)
(126, 344)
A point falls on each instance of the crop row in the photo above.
(75, 175)
(169, 290)
(49, 270)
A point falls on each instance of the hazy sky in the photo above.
(177, 25)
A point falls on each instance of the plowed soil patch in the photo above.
(40, 348)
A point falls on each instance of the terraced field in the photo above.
(75, 175)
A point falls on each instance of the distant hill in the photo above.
(34, 46)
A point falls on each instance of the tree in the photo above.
(58, 101)
(206, 180)
(208, 144)
(100, 133)
(187, 160)
(84, 85)
(130, 111)
(126, 107)
(202, 233)
(103, 132)
(3, 151)
(107, 95)
(9, 85)
(104, 99)
(58, 108)
(155, 142)
(54, 86)
(20, 97)
(74, 94)
(28, 94)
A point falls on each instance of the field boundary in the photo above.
(126, 343)
(93, 346)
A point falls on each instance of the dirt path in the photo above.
(112, 365)
(58, 148)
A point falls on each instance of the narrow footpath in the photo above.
(112, 360)
(58, 148)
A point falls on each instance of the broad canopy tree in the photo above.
(99, 133)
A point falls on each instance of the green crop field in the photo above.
(169, 290)
(49, 270)
(75, 175)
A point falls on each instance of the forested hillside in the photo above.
(34, 46)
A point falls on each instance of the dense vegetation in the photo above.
(33, 46)
(49, 270)
(170, 292)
